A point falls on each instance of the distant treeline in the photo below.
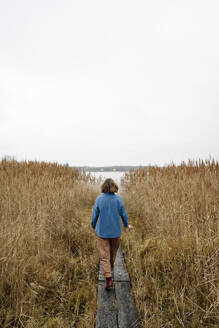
(107, 168)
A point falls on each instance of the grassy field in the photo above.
(48, 257)
(48, 252)
(172, 256)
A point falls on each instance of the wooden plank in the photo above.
(116, 308)
(119, 252)
(106, 320)
(101, 276)
(107, 312)
(120, 272)
(127, 315)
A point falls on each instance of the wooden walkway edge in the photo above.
(116, 308)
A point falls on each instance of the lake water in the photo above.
(116, 176)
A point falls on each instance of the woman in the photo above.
(109, 209)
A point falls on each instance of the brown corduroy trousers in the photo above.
(107, 251)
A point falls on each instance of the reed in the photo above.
(173, 252)
(48, 258)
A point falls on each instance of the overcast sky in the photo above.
(109, 82)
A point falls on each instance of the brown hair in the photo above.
(109, 185)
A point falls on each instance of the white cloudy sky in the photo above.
(109, 82)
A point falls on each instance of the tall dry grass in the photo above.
(173, 252)
(48, 258)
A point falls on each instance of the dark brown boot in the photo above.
(109, 283)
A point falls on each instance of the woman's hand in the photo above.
(130, 227)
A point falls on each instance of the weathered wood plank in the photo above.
(107, 312)
(119, 252)
(106, 319)
(116, 308)
(120, 272)
(127, 315)
(101, 276)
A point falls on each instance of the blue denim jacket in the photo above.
(107, 213)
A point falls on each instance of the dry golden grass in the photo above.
(48, 257)
(173, 252)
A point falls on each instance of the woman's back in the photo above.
(110, 209)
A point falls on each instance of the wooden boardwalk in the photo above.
(116, 308)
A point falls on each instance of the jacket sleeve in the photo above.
(95, 215)
(123, 214)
